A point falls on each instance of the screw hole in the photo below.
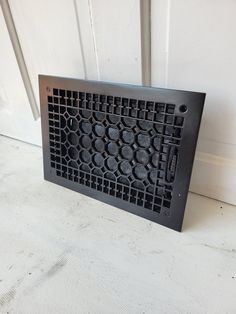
(183, 108)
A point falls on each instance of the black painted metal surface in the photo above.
(128, 146)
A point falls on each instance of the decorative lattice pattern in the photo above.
(126, 148)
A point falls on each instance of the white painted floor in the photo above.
(62, 252)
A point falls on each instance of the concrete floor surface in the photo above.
(62, 252)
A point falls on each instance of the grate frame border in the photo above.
(194, 102)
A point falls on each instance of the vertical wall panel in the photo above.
(160, 41)
(202, 56)
(49, 37)
(86, 32)
(117, 33)
(15, 114)
(194, 48)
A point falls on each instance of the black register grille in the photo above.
(124, 149)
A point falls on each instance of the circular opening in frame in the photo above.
(183, 108)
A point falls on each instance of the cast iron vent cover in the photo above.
(128, 146)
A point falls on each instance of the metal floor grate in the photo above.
(129, 146)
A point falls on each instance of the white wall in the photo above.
(15, 115)
(193, 47)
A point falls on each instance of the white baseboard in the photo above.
(214, 177)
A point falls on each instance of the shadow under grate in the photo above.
(128, 146)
